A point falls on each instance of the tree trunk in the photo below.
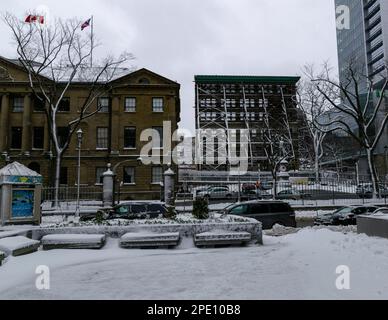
(316, 166)
(372, 169)
(58, 162)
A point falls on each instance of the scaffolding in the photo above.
(235, 103)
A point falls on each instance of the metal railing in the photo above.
(326, 193)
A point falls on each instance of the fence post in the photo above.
(107, 193)
(169, 186)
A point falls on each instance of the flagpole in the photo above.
(92, 42)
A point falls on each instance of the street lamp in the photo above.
(114, 169)
(79, 138)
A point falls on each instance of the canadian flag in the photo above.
(34, 18)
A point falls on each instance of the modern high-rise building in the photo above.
(365, 45)
(366, 41)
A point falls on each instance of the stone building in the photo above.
(143, 100)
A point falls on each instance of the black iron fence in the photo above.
(298, 193)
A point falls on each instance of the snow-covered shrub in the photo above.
(200, 209)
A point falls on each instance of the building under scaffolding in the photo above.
(232, 106)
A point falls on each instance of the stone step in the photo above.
(149, 240)
(17, 246)
(73, 241)
(221, 238)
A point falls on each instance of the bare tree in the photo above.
(314, 105)
(358, 108)
(55, 57)
(278, 143)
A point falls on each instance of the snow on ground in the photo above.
(296, 266)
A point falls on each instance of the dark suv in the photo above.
(268, 213)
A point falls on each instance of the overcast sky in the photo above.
(181, 38)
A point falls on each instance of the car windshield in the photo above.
(122, 210)
(343, 210)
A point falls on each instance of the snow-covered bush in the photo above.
(200, 209)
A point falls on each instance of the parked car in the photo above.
(381, 211)
(132, 210)
(365, 190)
(269, 213)
(292, 194)
(256, 194)
(344, 216)
(216, 193)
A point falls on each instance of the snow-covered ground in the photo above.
(295, 266)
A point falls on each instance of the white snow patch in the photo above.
(297, 266)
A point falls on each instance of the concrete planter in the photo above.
(185, 230)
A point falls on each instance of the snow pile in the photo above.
(18, 245)
(296, 266)
(279, 230)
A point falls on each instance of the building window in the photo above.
(64, 105)
(39, 104)
(99, 172)
(63, 176)
(157, 104)
(17, 104)
(102, 138)
(129, 175)
(63, 135)
(130, 104)
(38, 138)
(157, 174)
(157, 139)
(129, 137)
(103, 104)
(16, 138)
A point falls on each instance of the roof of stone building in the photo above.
(17, 169)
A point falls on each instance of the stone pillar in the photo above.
(115, 126)
(27, 126)
(108, 181)
(4, 123)
(169, 185)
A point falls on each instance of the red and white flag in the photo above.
(34, 19)
(86, 24)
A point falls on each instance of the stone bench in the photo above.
(2, 257)
(221, 238)
(149, 240)
(73, 241)
(17, 246)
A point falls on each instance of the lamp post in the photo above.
(79, 138)
(114, 169)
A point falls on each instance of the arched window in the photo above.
(34, 166)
